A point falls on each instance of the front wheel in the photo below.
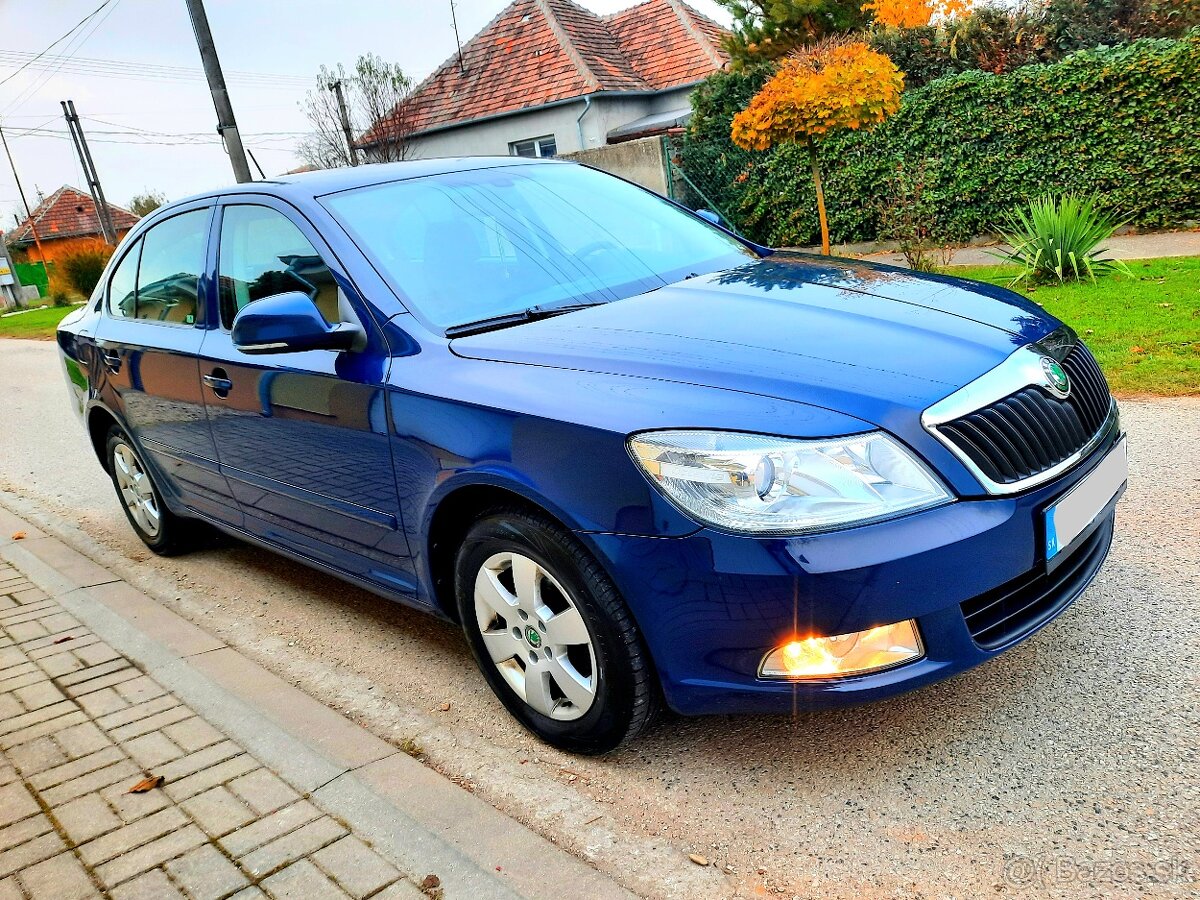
(160, 529)
(551, 634)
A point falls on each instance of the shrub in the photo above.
(82, 267)
(1058, 240)
(1119, 122)
(999, 38)
(908, 215)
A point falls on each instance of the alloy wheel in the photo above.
(535, 636)
(137, 491)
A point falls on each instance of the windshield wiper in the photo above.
(506, 320)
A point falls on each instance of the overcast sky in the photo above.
(156, 125)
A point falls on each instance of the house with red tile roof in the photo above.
(66, 221)
(547, 77)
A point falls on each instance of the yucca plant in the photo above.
(1058, 240)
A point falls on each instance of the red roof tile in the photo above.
(539, 51)
(69, 212)
(667, 42)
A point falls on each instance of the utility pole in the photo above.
(103, 214)
(226, 124)
(336, 87)
(28, 212)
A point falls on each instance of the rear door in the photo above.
(302, 437)
(148, 340)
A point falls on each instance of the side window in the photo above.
(263, 254)
(169, 273)
(122, 287)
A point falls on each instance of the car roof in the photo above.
(308, 185)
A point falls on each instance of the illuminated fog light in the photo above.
(845, 654)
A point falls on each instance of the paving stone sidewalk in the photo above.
(80, 725)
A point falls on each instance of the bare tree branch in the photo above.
(375, 96)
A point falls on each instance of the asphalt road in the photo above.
(1067, 767)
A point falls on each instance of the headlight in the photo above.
(771, 485)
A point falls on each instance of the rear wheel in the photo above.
(551, 634)
(160, 529)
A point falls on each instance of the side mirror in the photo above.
(289, 323)
(709, 216)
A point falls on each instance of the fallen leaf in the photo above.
(698, 859)
(18, 536)
(64, 639)
(445, 707)
(149, 783)
(1137, 349)
(430, 882)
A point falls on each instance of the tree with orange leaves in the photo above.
(913, 13)
(833, 85)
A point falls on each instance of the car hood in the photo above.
(870, 341)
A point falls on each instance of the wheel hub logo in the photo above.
(531, 635)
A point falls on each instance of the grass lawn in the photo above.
(1144, 330)
(38, 324)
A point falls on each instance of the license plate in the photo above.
(1068, 518)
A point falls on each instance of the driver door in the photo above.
(302, 438)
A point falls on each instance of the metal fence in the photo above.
(716, 187)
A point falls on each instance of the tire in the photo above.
(160, 529)
(567, 628)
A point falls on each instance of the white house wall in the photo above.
(492, 137)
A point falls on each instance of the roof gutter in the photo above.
(531, 109)
(587, 104)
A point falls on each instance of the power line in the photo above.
(76, 42)
(177, 78)
(50, 46)
(97, 63)
(198, 139)
(134, 132)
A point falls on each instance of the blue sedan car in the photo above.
(639, 459)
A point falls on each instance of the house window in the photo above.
(535, 147)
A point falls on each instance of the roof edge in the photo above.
(567, 45)
(685, 13)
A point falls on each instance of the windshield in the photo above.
(473, 245)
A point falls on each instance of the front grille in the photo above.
(1030, 431)
(1014, 609)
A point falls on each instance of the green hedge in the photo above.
(1120, 121)
(33, 274)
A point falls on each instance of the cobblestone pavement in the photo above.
(80, 725)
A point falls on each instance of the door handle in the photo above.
(219, 382)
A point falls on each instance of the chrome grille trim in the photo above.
(1001, 392)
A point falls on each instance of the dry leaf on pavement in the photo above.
(149, 783)
(698, 859)
(18, 536)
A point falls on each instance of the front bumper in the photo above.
(711, 604)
